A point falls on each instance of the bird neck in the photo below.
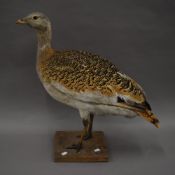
(44, 40)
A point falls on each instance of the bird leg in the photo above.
(88, 127)
(86, 134)
(87, 123)
(78, 146)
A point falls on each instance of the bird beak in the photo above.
(21, 21)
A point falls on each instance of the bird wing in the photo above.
(90, 78)
(93, 78)
(126, 91)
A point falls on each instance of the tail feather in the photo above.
(149, 116)
(146, 114)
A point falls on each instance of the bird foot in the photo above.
(77, 147)
(86, 137)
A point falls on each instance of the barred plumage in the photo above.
(85, 81)
(82, 71)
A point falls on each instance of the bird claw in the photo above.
(86, 137)
(77, 147)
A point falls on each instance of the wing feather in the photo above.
(90, 77)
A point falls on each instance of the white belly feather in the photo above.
(97, 108)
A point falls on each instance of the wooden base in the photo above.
(94, 149)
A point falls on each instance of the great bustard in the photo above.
(85, 81)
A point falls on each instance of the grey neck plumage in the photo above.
(44, 39)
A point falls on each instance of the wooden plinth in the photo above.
(94, 149)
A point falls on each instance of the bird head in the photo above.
(35, 20)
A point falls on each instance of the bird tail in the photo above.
(146, 114)
(149, 116)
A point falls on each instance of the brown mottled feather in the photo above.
(145, 113)
(83, 71)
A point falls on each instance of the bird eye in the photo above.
(35, 17)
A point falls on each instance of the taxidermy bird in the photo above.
(85, 81)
